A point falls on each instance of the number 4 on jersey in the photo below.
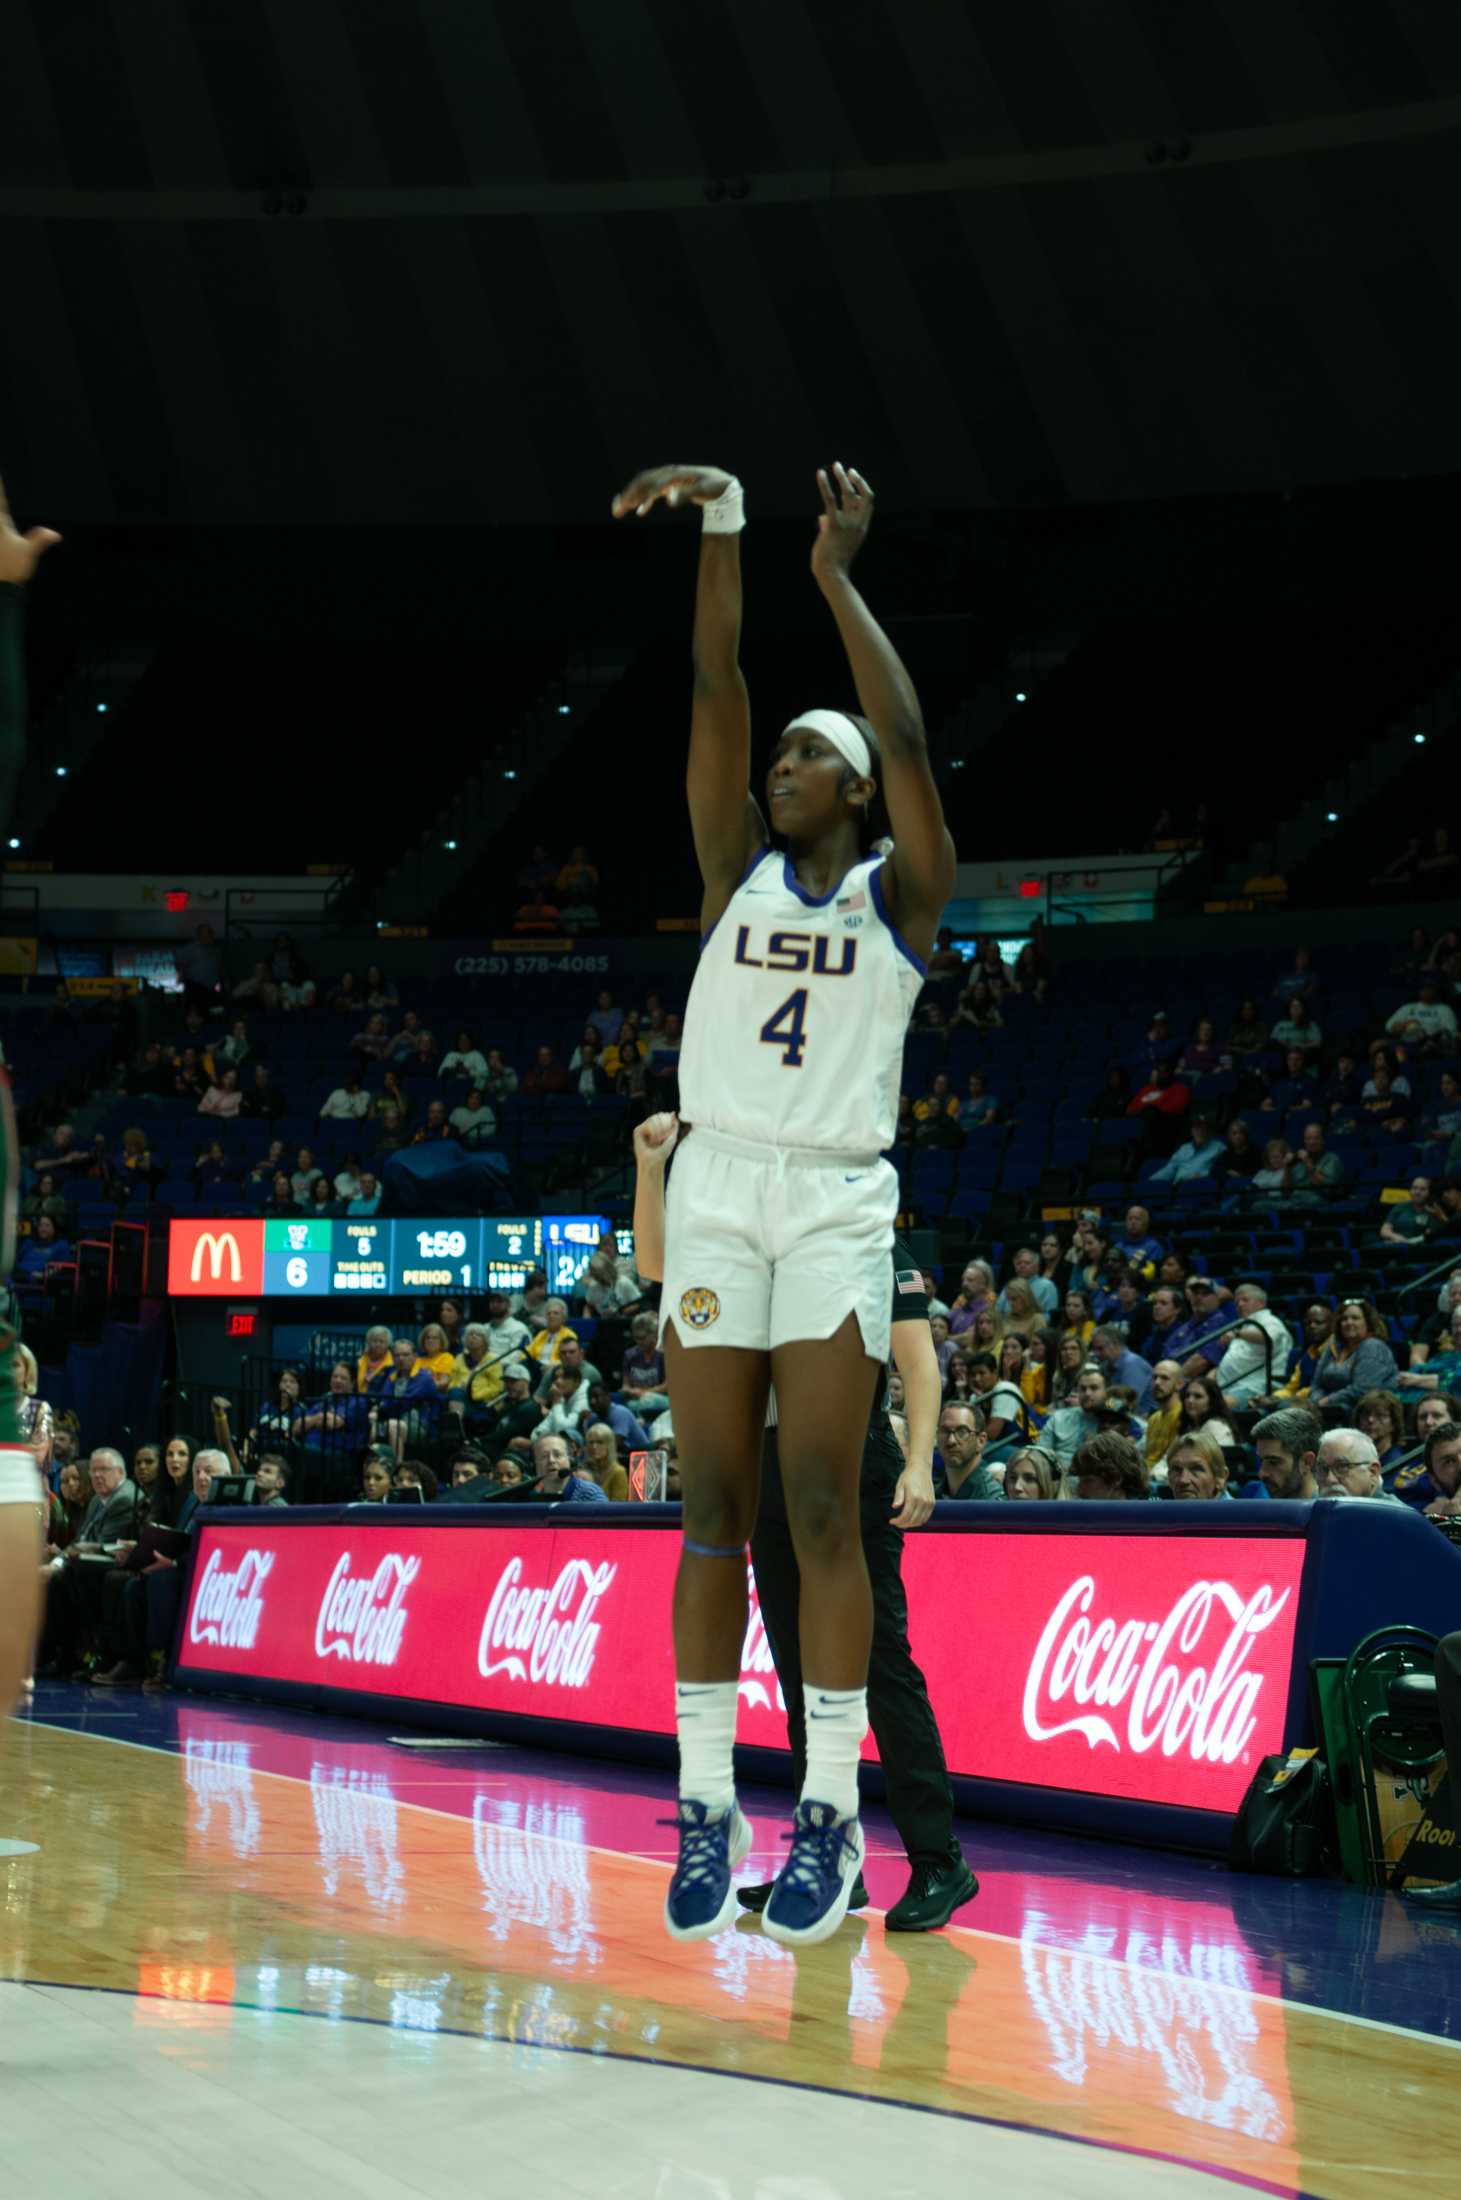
(787, 1029)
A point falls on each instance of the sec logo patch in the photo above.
(699, 1308)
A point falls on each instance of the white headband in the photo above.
(846, 738)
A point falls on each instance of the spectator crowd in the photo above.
(1144, 1345)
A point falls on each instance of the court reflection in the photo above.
(1134, 2019)
(554, 1944)
(533, 1867)
(1207, 2042)
(221, 1776)
(358, 1823)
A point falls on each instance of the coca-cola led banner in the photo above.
(1151, 1668)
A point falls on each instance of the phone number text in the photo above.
(528, 966)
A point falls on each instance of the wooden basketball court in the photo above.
(246, 1952)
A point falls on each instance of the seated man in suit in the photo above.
(116, 1502)
(74, 1591)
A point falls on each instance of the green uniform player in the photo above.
(19, 1482)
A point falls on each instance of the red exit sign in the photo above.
(241, 1321)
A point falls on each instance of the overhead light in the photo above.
(60, 771)
(956, 763)
(102, 708)
(565, 710)
(1021, 696)
(1420, 740)
(12, 844)
(1332, 816)
(509, 775)
(451, 844)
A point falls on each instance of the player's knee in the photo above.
(718, 1506)
(822, 1510)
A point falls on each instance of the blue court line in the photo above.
(695, 2070)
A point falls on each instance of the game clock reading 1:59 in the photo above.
(445, 1258)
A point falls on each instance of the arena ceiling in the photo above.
(444, 259)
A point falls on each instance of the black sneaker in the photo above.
(933, 1893)
(1446, 1898)
(756, 1898)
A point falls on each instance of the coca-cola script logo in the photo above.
(758, 1683)
(544, 1634)
(228, 1607)
(1180, 1679)
(363, 1620)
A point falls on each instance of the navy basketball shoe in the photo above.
(701, 1899)
(811, 1894)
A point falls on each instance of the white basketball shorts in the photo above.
(20, 1481)
(769, 1245)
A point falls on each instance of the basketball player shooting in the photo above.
(780, 1209)
(20, 1490)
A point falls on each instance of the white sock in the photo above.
(836, 1724)
(705, 1720)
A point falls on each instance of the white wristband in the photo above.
(726, 515)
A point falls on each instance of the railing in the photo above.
(1134, 892)
(1442, 1268)
(20, 907)
(251, 910)
(1246, 1321)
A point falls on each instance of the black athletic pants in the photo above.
(73, 1613)
(899, 1712)
(123, 1618)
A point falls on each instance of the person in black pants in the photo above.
(1448, 1702)
(893, 1497)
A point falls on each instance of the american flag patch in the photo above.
(853, 901)
(908, 1279)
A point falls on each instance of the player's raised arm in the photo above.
(919, 874)
(727, 825)
(654, 1141)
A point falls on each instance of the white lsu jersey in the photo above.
(795, 1023)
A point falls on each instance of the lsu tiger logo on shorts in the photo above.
(699, 1307)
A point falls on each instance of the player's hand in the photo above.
(670, 485)
(913, 1498)
(655, 1139)
(220, 1409)
(847, 514)
(21, 554)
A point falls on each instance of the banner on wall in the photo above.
(1151, 1669)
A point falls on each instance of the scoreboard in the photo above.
(375, 1256)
